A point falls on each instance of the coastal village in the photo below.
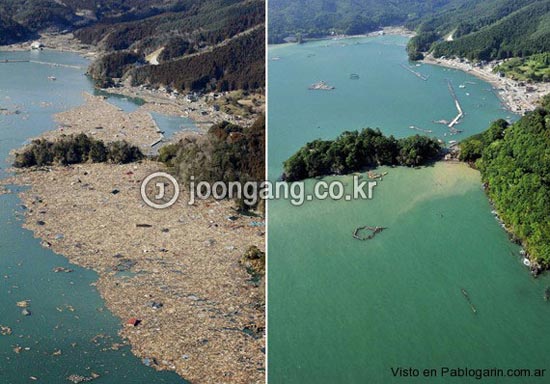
(517, 96)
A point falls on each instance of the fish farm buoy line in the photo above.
(374, 231)
(467, 296)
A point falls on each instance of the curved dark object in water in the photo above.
(374, 230)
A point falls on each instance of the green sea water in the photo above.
(26, 267)
(348, 311)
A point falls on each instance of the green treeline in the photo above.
(357, 150)
(23, 19)
(489, 30)
(531, 68)
(227, 153)
(205, 46)
(514, 161)
(113, 65)
(317, 18)
(420, 43)
(75, 149)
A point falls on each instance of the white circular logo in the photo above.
(157, 188)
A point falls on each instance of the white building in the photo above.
(37, 45)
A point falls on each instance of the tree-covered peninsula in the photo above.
(514, 161)
(359, 150)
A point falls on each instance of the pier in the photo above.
(8, 61)
(460, 115)
(56, 64)
(417, 74)
(420, 129)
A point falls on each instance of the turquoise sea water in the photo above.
(173, 124)
(348, 311)
(385, 95)
(26, 267)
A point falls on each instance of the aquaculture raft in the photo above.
(374, 231)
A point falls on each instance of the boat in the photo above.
(52, 78)
(547, 294)
(354, 76)
(461, 86)
(526, 262)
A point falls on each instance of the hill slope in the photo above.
(320, 17)
(493, 29)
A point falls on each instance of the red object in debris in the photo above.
(129, 173)
(133, 321)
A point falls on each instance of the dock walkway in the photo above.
(417, 74)
(460, 115)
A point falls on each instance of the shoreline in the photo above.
(385, 31)
(517, 97)
(201, 110)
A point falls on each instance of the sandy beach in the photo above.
(516, 96)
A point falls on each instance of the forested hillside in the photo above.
(314, 18)
(514, 161)
(487, 30)
(41, 15)
(216, 44)
(208, 44)
(11, 31)
(226, 153)
(236, 65)
(359, 150)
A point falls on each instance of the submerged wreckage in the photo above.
(373, 232)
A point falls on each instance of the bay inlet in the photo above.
(342, 310)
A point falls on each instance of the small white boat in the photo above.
(461, 86)
(526, 262)
(52, 78)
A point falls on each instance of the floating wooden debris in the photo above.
(133, 322)
(467, 296)
(321, 86)
(373, 175)
(374, 231)
(23, 303)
